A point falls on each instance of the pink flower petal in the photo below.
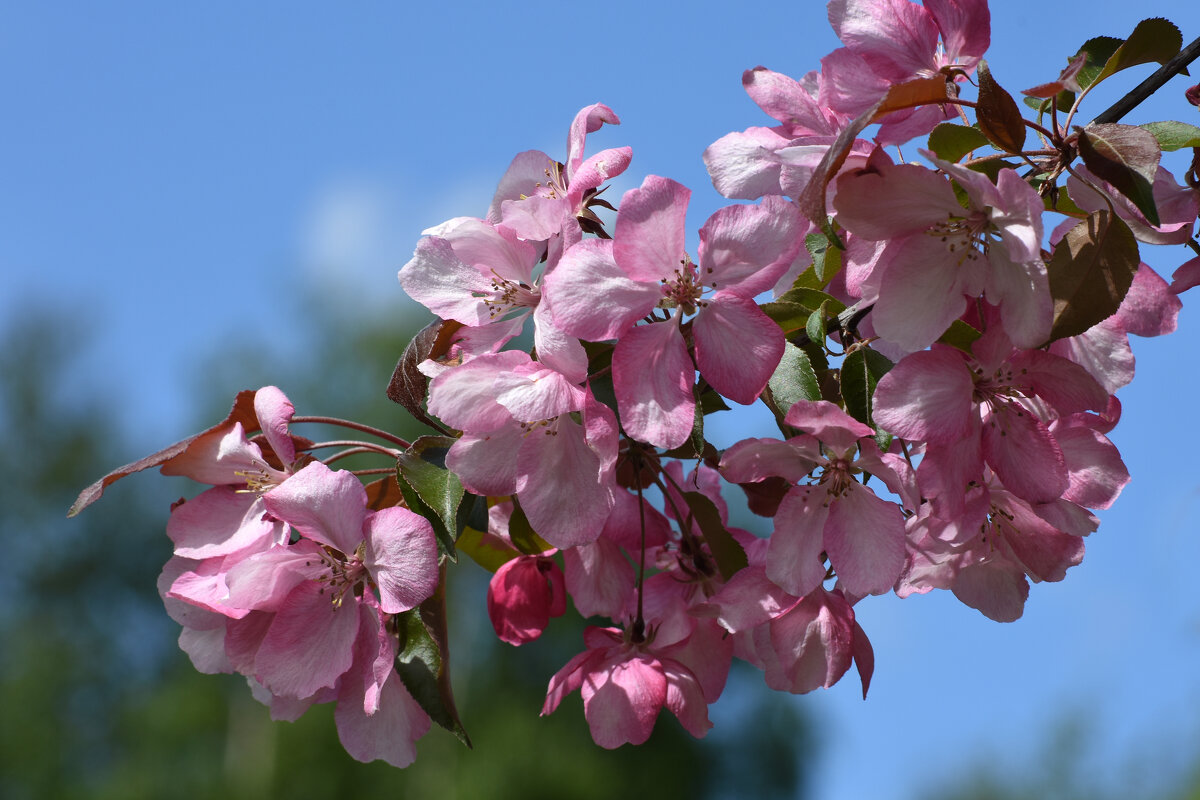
(649, 239)
(323, 505)
(653, 377)
(738, 347)
(402, 558)
(310, 643)
(794, 555)
(865, 541)
(622, 697)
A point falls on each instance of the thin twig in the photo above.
(1149, 86)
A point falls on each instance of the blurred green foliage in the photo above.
(99, 702)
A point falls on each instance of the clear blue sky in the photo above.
(178, 171)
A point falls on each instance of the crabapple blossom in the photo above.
(940, 372)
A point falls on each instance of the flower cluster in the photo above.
(942, 385)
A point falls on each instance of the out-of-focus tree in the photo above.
(1064, 769)
(99, 702)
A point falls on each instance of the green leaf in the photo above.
(861, 371)
(1099, 50)
(1060, 200)
(951, 142)
(522, 534)
(423, 661)
(433, 487)
(960, 335)
(726, 551)
(1152, 40)
(826, 256)
(1127, 157)
(812, 299)
(815, 327)
(999, 117)
(710, 402)
(790, 317)
(489, 552)
(1090, 272)
(1172, 135)
(794, 379)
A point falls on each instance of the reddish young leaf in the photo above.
(999, 117)
(1127, 157)
(408, 386)
(242, 411)
(1091, 270)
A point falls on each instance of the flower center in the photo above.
(509, 294)
(966, 237)
(345, 574)
(683, 289)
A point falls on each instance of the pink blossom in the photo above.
(600, 289)
(519, 438)
(891, 41)
(626, 680)
(838, 517)
(939, 254)
(481, 275)
(542, 199)
(313, 588)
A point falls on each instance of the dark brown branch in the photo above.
(1151, 85)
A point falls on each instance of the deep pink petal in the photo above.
(391, 733)
(753, 460)
(685, 699)
(569, 678)
(1023, 454)
(621, 699)
(591, 297)
(599, 577)
(463, 398)
(924, 275)
(828, 423)
(532, 393)
(813, 644)
(221, 521)
(901, 199)
(745, 248)
(555, 348)
(1150, 308)
(996, 588)
(524, 173)
(274, 412)
(561, 486)
(898, 39)
(589, 119)
(484, 462)
(745, 165)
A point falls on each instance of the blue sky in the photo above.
(179, 172)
